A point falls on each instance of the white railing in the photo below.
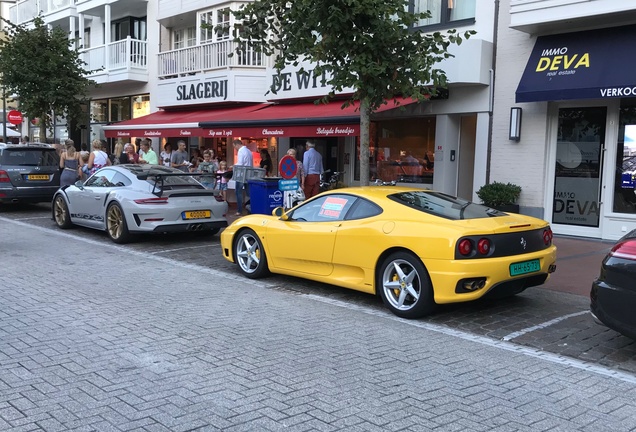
(206, 57)
(126, 54)
(26, 10)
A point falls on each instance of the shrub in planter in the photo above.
(501, 196)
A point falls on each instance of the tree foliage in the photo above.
(43, 67)
(368, 45)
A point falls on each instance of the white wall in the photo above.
(522, 162)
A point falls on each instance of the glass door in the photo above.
(578, 170)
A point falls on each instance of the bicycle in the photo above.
(331, 182)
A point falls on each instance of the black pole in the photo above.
(4, 111)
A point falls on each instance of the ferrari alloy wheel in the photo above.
(404, 285)
(250, 255)
(60, 213)
(116, 224)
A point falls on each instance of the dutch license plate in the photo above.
(524, 267)
(37, 177)
(198, 214)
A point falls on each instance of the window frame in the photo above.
(445, 21)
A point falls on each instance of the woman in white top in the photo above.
(98, 157)
(166, 154)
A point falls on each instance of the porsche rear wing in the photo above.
(158, 191)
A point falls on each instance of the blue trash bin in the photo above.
(264, 195)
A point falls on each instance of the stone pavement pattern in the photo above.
(125, 341)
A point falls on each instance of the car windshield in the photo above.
(29, 157)
(443, 205)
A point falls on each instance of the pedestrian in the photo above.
(70, 164)
(207, 166)
(84, 154)
(166, 154)
(179, 158)
(25, 140)
(115, 158)
(98, 157)
(266, 162)
(147, 155)
(221, 181)
(243, 159)
(196, 159)
(129, 156)
(295, 197)
(312, 164)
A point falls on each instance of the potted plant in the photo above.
(500, 196)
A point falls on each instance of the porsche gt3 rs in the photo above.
(415, 248)
(125, 200)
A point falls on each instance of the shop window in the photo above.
(401, 150)
(140, 105)
(119, 109)
(99, 110)
(625, 167)
(445, 13)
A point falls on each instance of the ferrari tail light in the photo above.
(483, 246)
(547, 236)
(155, 200)
(625, 249)
(465, 247)
(4, 177)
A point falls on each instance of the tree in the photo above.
(367, 45)
(43, 67)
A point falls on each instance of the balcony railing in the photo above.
(127, 54)
(26, 10)
(206, 57)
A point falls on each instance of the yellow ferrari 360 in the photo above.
(415, 248)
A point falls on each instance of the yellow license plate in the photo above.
(38, 177)
(199, 214)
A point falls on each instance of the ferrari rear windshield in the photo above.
(443, 205)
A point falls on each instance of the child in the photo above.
(85, 172)
(207, 166)
(221, 179)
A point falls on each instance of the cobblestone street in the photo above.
(128, 340)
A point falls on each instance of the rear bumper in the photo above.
(27, 194)
(614, 307)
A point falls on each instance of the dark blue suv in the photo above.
(28, 172)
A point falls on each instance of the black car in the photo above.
(28, 172)
(613, 295)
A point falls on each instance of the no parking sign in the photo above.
(287, 167)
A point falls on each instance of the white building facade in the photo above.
(113, 36)
(155, 57)
(565, 63)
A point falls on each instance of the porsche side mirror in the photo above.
(79, 184)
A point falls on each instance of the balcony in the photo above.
(25, 10)
(204, 58)
(124, 60)
(559, 16)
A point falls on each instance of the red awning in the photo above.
(295, 119)
(174, 123)
(258, 120)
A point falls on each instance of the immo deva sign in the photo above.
(590, 64)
